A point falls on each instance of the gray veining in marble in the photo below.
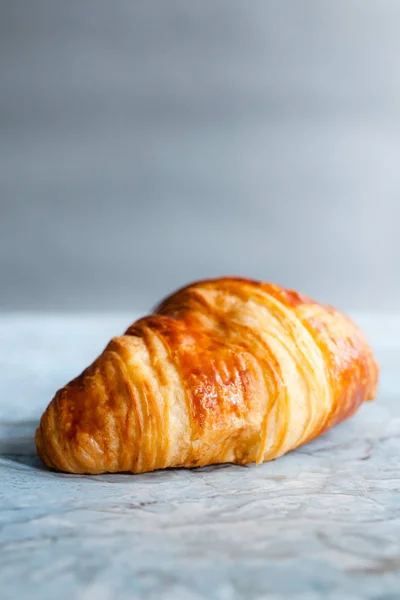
(322, 522)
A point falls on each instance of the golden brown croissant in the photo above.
(225, 370)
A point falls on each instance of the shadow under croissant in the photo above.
(18, 438)
(17, 445)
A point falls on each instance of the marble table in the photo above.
(321, 522)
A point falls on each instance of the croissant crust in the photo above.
(224, 370)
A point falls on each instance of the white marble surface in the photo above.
(322, 522)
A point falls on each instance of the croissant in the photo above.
(224, 370)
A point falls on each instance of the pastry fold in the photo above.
(224, 370)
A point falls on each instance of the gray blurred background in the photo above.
(147, 144)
